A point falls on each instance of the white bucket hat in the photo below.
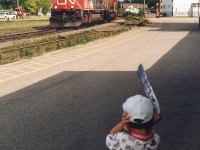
(139, 108)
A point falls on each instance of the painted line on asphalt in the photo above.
(75, 56)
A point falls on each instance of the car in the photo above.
(7, 15)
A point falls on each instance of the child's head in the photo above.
(141, 111)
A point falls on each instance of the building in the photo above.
(180, 7)
(135, 5)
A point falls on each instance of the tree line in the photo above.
(32, 6)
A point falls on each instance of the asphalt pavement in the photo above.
(74, 109)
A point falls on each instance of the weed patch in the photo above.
(35, 48)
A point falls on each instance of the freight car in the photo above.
(75, 13)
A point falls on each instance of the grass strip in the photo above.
(31, 49)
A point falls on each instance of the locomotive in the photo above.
(75, 13)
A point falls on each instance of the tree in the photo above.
(1, 7)
(34, 5)
(151, 3)
(45, 5)
(6, 4)
(11, 4)
(31, 5)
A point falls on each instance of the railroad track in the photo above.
(34, 48)
(38, 33)
(37, 48)
(31, 34)
(50, 45)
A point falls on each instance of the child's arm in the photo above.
(156, 117)
(119, 127)
(123, 125)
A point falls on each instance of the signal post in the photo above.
(158, 8)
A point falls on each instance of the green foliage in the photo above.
(1, 56)
(59, 46)
(22, 53)
(88, 38)
(28, 49)
(7, 4)
(34, 5)
(45, 5)
(47, 49)
(39, 51)
(28, 53)
(143, 21)
(127, 14)
(25, 5)
(70, 43)
(1, 7)
(141, 12)
(28, 5)
(151, 3)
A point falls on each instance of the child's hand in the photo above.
(125, 120)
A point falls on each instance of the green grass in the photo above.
(72, 40)
(38, 49)
(21, 24)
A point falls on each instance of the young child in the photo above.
(134, 131)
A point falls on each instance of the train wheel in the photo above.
(77, 28)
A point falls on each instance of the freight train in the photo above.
(75, 13)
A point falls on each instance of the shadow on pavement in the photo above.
(176, 77)
(75, 110)
(72, 110)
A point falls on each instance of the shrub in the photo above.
(127, 14)
(48, 49)
(59, 46)
(22, 53)
(1, 7)
(28, 53)
(88, 38)
(1, 56)
(70, 43)
(141, 12)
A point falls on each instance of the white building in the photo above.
(181, 7)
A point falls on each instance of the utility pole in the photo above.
(198, 12)
(158, 8)
(198, 7)
(144, 8)
(121, 5)
(17, 3)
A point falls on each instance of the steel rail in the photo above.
(48, 44)
(32, 34)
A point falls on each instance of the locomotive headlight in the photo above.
(72, 7)
(55, 7)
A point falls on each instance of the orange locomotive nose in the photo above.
(74, 13)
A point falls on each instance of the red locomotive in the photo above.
(74, 13)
